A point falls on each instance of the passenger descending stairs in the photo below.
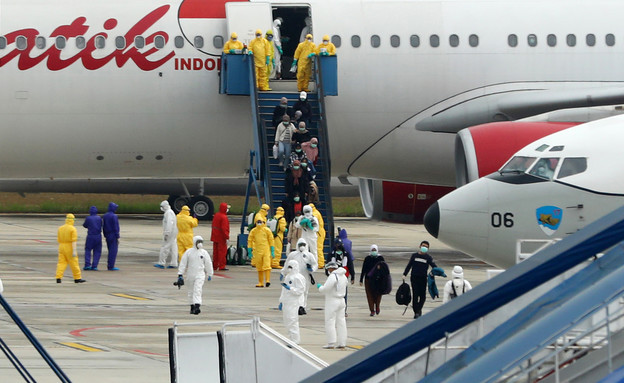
(267, 102)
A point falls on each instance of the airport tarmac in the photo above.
(114, 327)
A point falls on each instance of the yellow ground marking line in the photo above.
(81, 347)
(120, 295)
(357, 347)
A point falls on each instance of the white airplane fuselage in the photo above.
(486, 218)
(108, 113)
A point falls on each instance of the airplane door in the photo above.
(244, 18)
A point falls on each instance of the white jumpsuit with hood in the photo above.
(197, 266)
(292, 298)
(169, 247)
(334, 289)
(303, 258)
(461, 285)
(309, 234)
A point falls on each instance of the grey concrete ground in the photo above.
(126, 338)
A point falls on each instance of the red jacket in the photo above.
(220, 225)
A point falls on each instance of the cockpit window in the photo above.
(572, 166)
(518, 164)
(541, 148)
(557, 148)
(545, 168)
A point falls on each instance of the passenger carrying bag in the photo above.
(404, 296)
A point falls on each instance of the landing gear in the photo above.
(202, 207)
(176, 202)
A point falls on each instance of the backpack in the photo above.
(381, 281)
(454, 293)
(404, 294)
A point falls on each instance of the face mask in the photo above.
(339, 252)
(302, 99)
(424, 249)
(302, 248)
(310, 40)
(296, 167)
(313, 145)
(258, 36)
(200, 245)
(227, 210)
(296, 199)
(304, 165)
(258, 223)
(373, 253)
(269, 38)
(284, 105)
(302, 129)
(286, 123)
(234, 39)
(298, 150)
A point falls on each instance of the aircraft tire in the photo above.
(202, 207)
(176, 202)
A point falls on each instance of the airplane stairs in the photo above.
(556, 316)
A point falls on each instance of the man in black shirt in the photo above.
(419, 264)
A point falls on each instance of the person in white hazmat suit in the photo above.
(309, 229)
(169, 248)
(276, 72)
(292, 298)
(307, 265)
(456, 286)
(197, 266)
(334, 289)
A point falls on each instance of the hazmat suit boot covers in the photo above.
(307, 265)
(67, 236)
(334, 290)
(261, 51)
(304, 64)
(196, 266)
(260, 241)
(292, 298)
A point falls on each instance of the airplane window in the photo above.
(178, 41)
(532, 40)
(610, 40)
(572, 166)
(198, 41)
(542, 147)
(21, 42)
(518, 164)
(60, 42)
(551, 40)
(512, 40)
(473, 40)
(557, 148)
(590, 39)
(375, 41)
(571, 40)
(545, 168)
(2, 42)
(139, 42)
(336, 40)
(159, 42)
(81, 43)
(40, 42)
(415, 41)
(100, 42)
(434, 41)
(454, 40)
(217, 41)
(120, 42)
(395, 41)
(355, 41)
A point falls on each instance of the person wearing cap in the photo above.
(197, 267)
(220, 236)
(291, 298)
(110, 227)
(303, 62)
(326, 48)
(185, 224)
(303, 105)
(334, 289)
(372, 296)
(261, 249)
(260, 49)
(233, 46)
(67, 237)
(456, 286)
(419, 264)
(169, 247)
(278, 237)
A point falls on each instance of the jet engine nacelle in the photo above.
(483, 149)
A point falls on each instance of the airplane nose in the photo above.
(432, 219)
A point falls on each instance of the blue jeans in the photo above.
(283, 151)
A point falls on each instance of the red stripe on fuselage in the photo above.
(203, 9)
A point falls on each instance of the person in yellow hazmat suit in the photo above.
(67, 237)
(259, 47)
(263, 213)
(260, 247)
(280, 231)
(303, 62)
(321, 236)
(271, 64)
(232, 45)
(185, 224)
(326, 48)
